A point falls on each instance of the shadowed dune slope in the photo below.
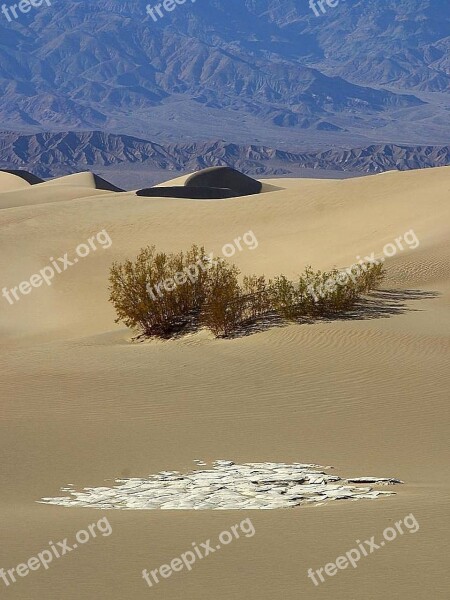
(85, 179)
(25, 175)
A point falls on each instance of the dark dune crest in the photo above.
(192, 193)
(225, 177)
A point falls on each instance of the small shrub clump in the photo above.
(223, 308)
(164, 294)
(138, 302)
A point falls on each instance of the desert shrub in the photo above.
(138, 301)
(370, 277)
(283, 297)
(336, 290)
(191, 294)
(307, 283)
(223, 311)
(161, 294)
(312, 293)
(256, 295)
(339, 292)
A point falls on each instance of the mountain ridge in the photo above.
(364, 72)
(54, 154)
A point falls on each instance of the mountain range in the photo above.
(250, 71)
(132, 162)
(262, 74)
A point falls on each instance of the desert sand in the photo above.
(369, 395)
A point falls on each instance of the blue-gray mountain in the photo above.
(132, 162)
(366, 71)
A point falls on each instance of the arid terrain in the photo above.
(368, 394)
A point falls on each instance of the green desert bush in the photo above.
(140, 304)
(223, 310)
(256, 293)
(162, 294)
(284, 297)
(340, 293)
(307, 281)
(371, 278)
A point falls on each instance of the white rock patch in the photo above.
(226, 486)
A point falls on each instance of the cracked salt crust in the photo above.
(226, 486)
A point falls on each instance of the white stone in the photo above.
(226, 486)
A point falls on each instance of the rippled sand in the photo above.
(370, 395)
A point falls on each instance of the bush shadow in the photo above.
(379, 304)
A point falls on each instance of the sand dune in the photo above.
(85, 179)
(369, 394)
(10, 182)
(38, 194)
